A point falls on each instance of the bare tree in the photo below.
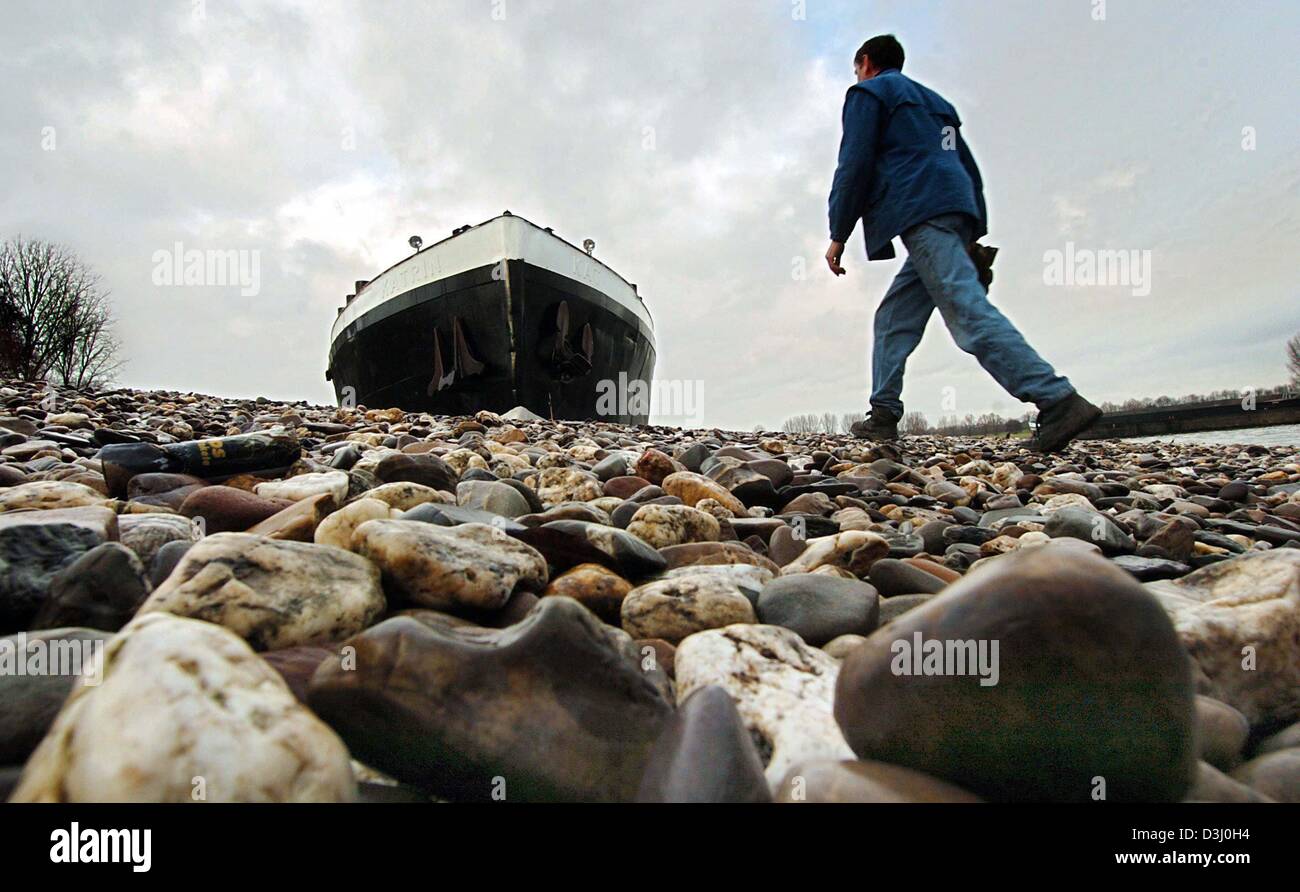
(57, 320)
(92, 355)
(915, 423)
(848, 419)
(1293, 359)
(801, 424)
(8, 330)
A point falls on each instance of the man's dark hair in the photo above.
(885, 52)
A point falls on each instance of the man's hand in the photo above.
(833, 255)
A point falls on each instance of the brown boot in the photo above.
(1061, 422)
(878, 425)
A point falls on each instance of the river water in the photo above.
(1277, 435)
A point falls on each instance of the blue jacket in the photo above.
(900, 164)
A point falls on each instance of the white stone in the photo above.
(558, 485)
(472, 565)
(272, 592)
(748, 578)
(1252, 601)
(784, 690)
(404, 495)
(49, 494)
(678, 606)
(519, 413)
(461, 460)
(304, 486)
(185, 709)
(337, 529)
(1066, 500)
(853, 550)
(97, 518)
(660, 526)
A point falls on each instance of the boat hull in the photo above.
(493, 337)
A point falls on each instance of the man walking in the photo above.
(905, 170)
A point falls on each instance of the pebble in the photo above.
(595, 587)
(1246, 609)
(662, 525)
(404, 495)
(841, 646)
(165, 561)
(705, 754)
(893, 577)
(146, 534)
(293, 489)
(101, 589)
(819, 608)
(1076, 639)
(1275, 775)
(654, 466)
(1090, 526)
(557, 485)
(1221, 733)
(36, 545)
(693, 488)
(48, 494)
(855, 551)
(617, 549)
(493, 497)
(678, 606)
(425, 470)
(470, 565)
(749, 579)
(458, 710)
(297, 665)
(272, 593)
(225, 509)
(185, 710)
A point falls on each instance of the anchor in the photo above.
(464, 363)
(564, 361)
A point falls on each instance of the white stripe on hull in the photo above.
(501, 238)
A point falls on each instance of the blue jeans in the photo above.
(939, 273)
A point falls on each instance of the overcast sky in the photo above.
(694, 140)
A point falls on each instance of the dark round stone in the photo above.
(894, 577)
(165, 561)
(99, 590)
(428, 470)
(1090, 681)
(1236, 491)
(705, 754)
(819, 607)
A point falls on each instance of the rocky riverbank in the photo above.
(343, 604)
